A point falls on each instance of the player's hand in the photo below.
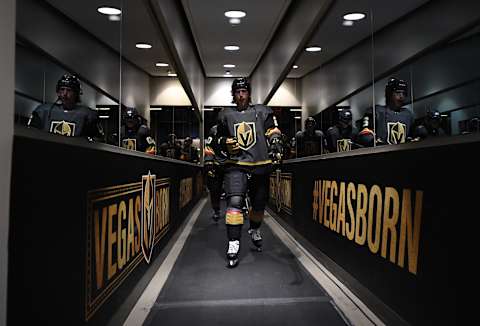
(210, 169)
(230, 144)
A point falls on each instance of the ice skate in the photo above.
(232, 253)
(256, 238)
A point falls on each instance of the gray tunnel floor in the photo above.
(266, 288)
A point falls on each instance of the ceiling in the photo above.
(334, 38)
(211, 31)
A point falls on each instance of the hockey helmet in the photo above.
(310, 123)
(70, 81)
(240, 83)
(345, 116)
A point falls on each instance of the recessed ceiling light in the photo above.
(143, 46)
(161, 64)
(297, 117)
(354, 16)
(228, 65)
(109, 10)
(235, 14)
(231, 47)
(313, 49)
(172, 74)
(295, 67)
(347, 23)
(228, 75)
(234, 21)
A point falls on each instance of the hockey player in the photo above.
(66, 116)
(214, 170)
(250, 136)
(431, 127)
(189, 152)
(341, 136)
(135, 134)
(310, 141)
(171, 148)
(393, 122)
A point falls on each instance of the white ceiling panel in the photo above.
(212, 32)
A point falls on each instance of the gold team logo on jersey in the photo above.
(147, 223)
(397, 132)
(245, 134)
(130, 144)
(344, 145)
(62, 128)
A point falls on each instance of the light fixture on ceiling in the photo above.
(109, 11)
(143, 46)
(348, 23)
(171, 74)
(103, 116)
(295, 67)
(228, 74)
(313, 49)
(297, 117)
(235, 14)
(231, 47)
(161, 64)
(228, 65)
(354, 16)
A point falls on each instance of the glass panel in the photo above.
(447, 84)
(56, 66)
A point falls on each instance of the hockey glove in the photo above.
(210, 169)
(229, 145)
(276, 150)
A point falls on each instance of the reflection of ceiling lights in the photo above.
(354, 16)
(231, 47)
(143, 46)
(234, 21)
(313, 49)
(235, 14)
(228, 65)
(109, 10)
(228, 72)
(295, 67)
(114, 18)
(228, 76)
(347, 23)
(161, 64)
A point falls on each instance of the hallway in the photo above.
(278, 286)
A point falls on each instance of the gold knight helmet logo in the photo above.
(397, 132)
(147, 224)
(344, 145)
(129, 143)
(245, 134)
(62, 128)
